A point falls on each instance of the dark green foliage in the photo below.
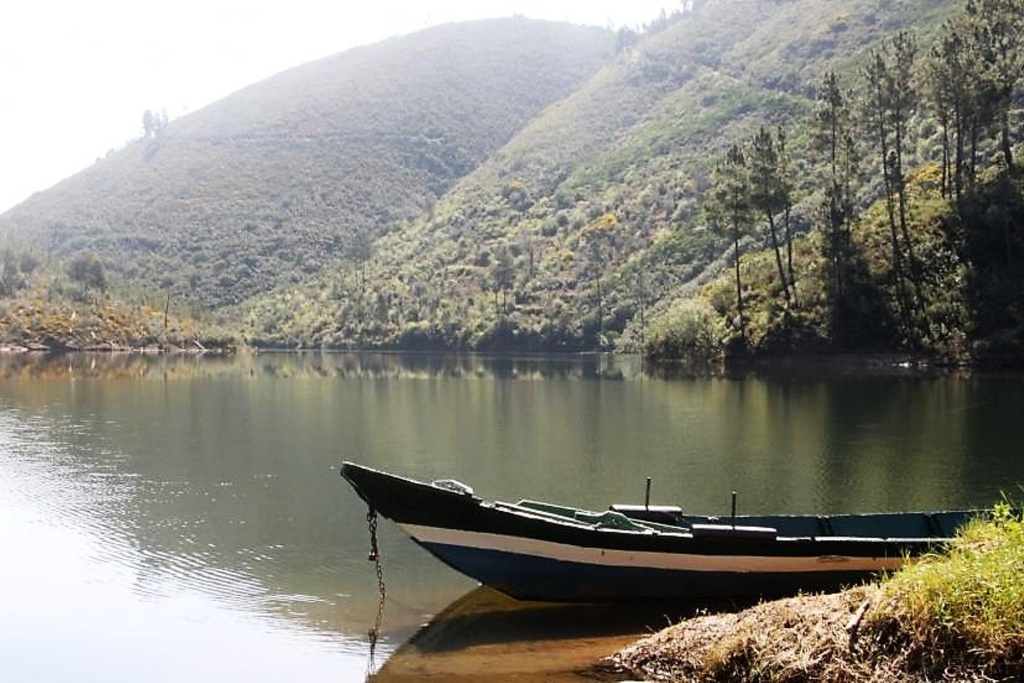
(889, 99)
(992, 232)
(771, 196)
(88, 271)
(996, 30)
(834, 141)
(16, 266)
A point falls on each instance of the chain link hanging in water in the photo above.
(374, 556)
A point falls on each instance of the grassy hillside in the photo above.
(296, 173)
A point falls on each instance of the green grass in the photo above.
(965, 605)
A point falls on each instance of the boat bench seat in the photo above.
(608, 519)
(546, 508)
(733, 533)
(661, 514)
(792, 526)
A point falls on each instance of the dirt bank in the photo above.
(848, 637)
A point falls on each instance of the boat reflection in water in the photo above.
(485, 635)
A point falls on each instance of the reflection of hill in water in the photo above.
(221, 487)
(316, 364)
(426, 366)
(112, 365)
(412, 366)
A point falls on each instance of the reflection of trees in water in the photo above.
(285, 364)
(414, 365)
(568, 366)
(317, 364)
(110, 365)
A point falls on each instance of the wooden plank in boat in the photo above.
(730, 531)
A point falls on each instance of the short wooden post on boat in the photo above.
(733, 509)
(647, 495)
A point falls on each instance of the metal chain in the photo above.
(371, 522)
(374, 556)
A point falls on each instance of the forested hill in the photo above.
(588, 221)
(296, 173)
(524, 185)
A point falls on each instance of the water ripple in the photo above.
(93, 497)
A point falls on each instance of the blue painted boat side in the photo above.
(528, 577)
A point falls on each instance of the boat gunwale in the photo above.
(686, 533)
(648, 529)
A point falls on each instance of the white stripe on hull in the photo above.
(646, 559)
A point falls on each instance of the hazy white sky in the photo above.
(76, 75)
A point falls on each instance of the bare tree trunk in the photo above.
(739, 288)
(778, 258)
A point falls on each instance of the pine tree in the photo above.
(833, 138)
(727, 209)
(769, 193)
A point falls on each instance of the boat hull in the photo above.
(531, 555)
(544, 575)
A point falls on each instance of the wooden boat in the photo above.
(541, 551)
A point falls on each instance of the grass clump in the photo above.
(963, 608)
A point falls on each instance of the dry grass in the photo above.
(796, 639)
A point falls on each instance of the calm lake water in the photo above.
(180, 518)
